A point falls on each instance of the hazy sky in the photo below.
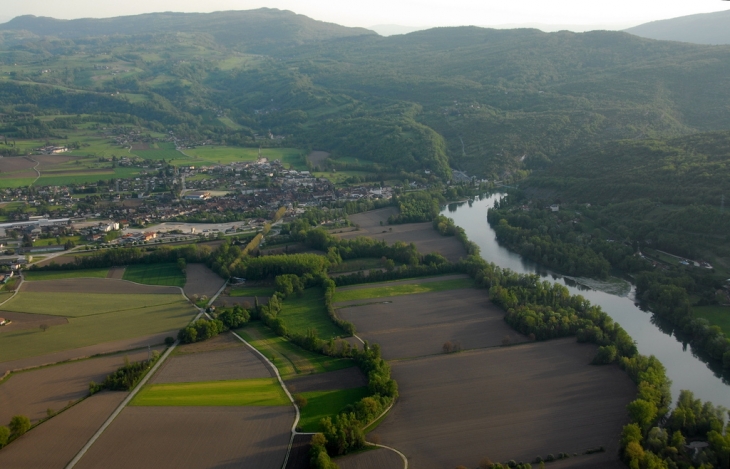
(366, 13)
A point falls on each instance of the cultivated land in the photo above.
(247, 392)
(220, 342)
(116, 273)
(96, 285)
(291, 360)
(32, 393)
(29, 321)
(346, 378)
(383, 290)
(227, 364)
(417, 325)
(155, 274)
(201, 281)
(321, 404)
(506, 403)
(193, 437)
(299, 455)
(423, 235)
(381, 458)
(85, 352)
(90, 304)
(301, 314)
(54, 443)
(31, 275)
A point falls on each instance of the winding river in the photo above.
(615, 297)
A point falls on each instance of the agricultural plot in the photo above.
(423, 235)
(384, 290)
(54, 443)
(233, 363)
(316, 158)
(301, 314)
(95, 285)
(193, 437)
(299, 454)
(417, 325)
(211, 155)
(346, 378)
(200, 280)
(321, 404)
(718, 315)
(20, 321)
(31, 275)
(506, 403)
(288, 358)
(247, 392)
(92, 304)
(381, 458)
(159, 151)
(155, 274)
(32, 393)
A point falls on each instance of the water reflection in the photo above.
(687, 368)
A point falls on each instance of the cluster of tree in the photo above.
(360, 247)
(415, 207)
(18, 426)
(126, 377)
(200, 330)
(665, 447)
(232, 317)
(204, 216)
(405, 271)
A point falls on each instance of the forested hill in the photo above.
(705, 28)
(251, 30)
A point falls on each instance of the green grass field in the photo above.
(352, 265)
(155, 274)
(31, 275)
(716, 314)
(95, 329)
(290, 359)
(382, 290)
(210, 155)
(321, 404)
(308, 312)
(252, 291)
(249, 392)
(85, 304)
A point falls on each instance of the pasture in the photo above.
(384, 290)
(247, 392)
(193, 437)
(321, 404)
(420, 324)
(92, 304)
(155, 274)
(300, 314)
(718, 315)
(506, 403)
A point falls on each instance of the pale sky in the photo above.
(611, 14)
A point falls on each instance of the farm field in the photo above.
(353, 265)
(21, 321)
(266, 292)
(717, 315)
(299, 455)
(155, 274)
(381, 458)
(301, 314)
(95, 329)
(423, 235)
(54, 443)
(97, 286)
(383, 290)
(321, 404)
(191, 437)
(506, 403)
(248, 392)
(40, 275)
(288, 358)
(200, 280)
(211, 155)
(234, 363)
(346, 378)
(420, 324)
(92, 304)
(32, 393)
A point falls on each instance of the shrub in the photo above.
(4, 436)
(169, 341)
(19, 425)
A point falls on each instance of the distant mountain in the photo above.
(250, 30)
(395, 29)
(706, 28)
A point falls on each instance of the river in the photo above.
(615, 297)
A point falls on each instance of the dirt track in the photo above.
(420, 324)
(96, 285)
(31, 393)
(202, 281)
(346, 378)
(108, 347)
(193, 437)
(381, 458)
(54, 443)
(217, 365)
(506, 403)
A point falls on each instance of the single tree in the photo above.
(19, 425)
(44, 327)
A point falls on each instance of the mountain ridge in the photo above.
(703, 28)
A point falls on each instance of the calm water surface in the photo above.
(615, 297)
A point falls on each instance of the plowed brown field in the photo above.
(417, 325)
(506, 403)
(54, 443)
(32, 392)
(299, 455)
(202, 281)
(381, 458)
(29, 321)
(346, 378)
(217, 365)
(11, 164)
(96, 285)
(193, 437)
